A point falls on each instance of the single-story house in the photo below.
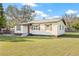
(54, 27)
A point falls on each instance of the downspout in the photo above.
(28, 29)
(28, 26)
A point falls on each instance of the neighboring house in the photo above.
(54, 27)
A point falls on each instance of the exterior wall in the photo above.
(23, 31)
(62, 31)
(42, 30)
(55, 30)
(18, 31)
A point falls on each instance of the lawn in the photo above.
(66, 45)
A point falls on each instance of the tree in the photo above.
(75, 24)
(2, 17)
(27, 13)
(69, 19)
(10, 23)
(19, 15)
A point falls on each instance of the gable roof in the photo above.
(63, 21)
(54, 20)
(45, 21)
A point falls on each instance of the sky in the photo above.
(49, 10)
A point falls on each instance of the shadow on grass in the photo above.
(13, 39)
(41, 37)
(27, 39)
(66, 35)
(70, 35)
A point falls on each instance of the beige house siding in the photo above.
(53, 29)
(43, 31)
(62, 31)
(24, 30)
(18, 31)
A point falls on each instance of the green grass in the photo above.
(67, 44)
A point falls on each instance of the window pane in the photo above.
(35, 27)
(18, 27)
(60, 27)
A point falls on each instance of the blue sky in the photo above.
(50, 9)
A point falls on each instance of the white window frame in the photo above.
(61, 27)
(18, 27)
(35, 27)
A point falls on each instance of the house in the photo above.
(54, 27)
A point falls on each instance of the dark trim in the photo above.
(28, 26)
(63, 21)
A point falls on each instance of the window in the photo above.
(35, 27)
(48, 27)
(61, 27)
(18, 27)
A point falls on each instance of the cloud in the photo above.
(71, 11)
(40, 13)
(49, 10)
(54, 17)
(78, 15)
(30, 4)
